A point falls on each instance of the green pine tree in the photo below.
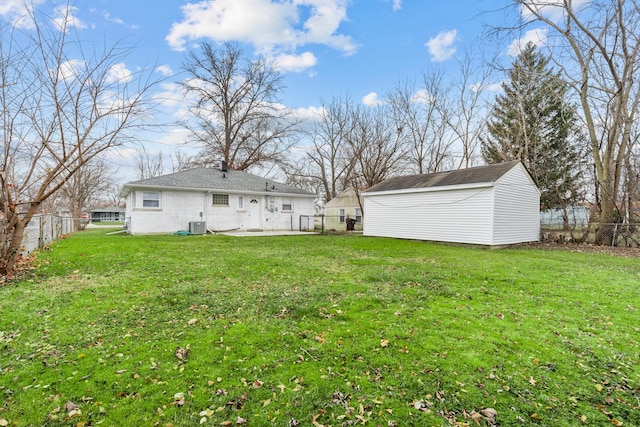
(532, 121)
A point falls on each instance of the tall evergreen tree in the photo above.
(533, 121)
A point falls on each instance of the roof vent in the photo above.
(223, 166)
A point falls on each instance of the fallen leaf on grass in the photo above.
(384, 343)
(315, 422)
(178, 399)
(617, 423)
(192, 322)
(183, 353)
(3, 422)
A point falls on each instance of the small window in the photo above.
(240, 202)
(287, 205)
(220, 199)
(150, 199)
(358, 215)
(341, 214)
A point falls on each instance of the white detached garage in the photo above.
(490, 205)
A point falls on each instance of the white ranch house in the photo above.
(491, 205)
(207, 199)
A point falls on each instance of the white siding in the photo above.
(502, 213)
(447, 214)
(178, 208)
(517, 208)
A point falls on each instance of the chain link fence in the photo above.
(44, 229)
(621, 235)
(334, 223)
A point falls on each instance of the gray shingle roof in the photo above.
(477, 175)
(216, 180)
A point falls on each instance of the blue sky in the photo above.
(325, 48)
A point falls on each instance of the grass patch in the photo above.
(320, 330)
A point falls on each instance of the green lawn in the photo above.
(318, 331)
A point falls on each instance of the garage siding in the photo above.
(500, 211)
(517, 213)
(449, 215)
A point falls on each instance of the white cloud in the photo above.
(551, 9)
(537, 36)
(70, 69)
(295, 63)
(18, 12)
(441, 47)
(397, 4)
(423, 96)
(65, 18)
(118, 73)
(165, 70)
(309, 113)
(274, 28)
(486, 87)
(371, 99)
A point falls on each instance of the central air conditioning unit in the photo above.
(197, 227)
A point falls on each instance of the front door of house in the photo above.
(255, 221)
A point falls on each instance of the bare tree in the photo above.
(597, 45)
(327, 165)
(85, 187)
(181, 161)
(376, 144)
(62, 104)
(149, 164)
(236, 116)
(421, 115)
(466, 115)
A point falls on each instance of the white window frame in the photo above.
(358, 215)
(150, 200)
(287, 204)
(341, 215)
(241, 203)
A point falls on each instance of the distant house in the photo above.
(343, 208)
(489, 205)
(113, 213)
(204, 199)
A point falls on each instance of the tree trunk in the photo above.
(12, 252)
(604, 233)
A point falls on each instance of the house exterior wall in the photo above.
(178, 208)
(443, 214)
(517, 208)
(348, 202)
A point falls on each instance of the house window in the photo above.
(358, 215)
(240, 202)
(150, 199)
(220, 199)
(341, 215)
(287, 205)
